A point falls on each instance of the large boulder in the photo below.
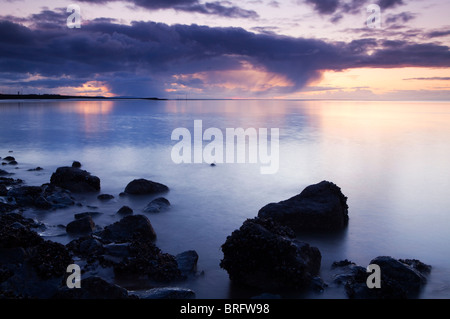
(400, 278)
(265, 255)
(128, 228)
(320, 206)
(75, 179)
(145, 187)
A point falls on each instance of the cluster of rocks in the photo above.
(264, 252)
(31, 267)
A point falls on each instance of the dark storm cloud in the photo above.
(438, 33)
(213, 8)
(400, 17)
(324, 6)
(386, 4)
(143, 58)
(338, 8)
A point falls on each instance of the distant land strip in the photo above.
(62, 97)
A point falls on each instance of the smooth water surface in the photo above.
(391, 159)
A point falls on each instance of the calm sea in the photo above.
(391, 159)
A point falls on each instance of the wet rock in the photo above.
(145, 187)
(157, 205)
(117, 250)
(13, 163)
(3, 173)
(51, 259)
(125, 210)
(129, 228)
(93, 287)
(87, 247)
(37, 169)
(400, 279)
(320, 206)
(165, 293)
(265, 255)
(105, 197)
(29, 196)
(44, 197)
(75, 180)
(10, 181)
(148, 261)
(187, 262)
(9, 159)
(57, 197)
(3, 190)
(82, 225)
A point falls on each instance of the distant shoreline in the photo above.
(65, 97)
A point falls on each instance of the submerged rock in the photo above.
(75, 180)
(318, 207)
(105, 197)
(187, 262)
(157, 205)
(263, 254)
(129, 228)
(145, 187)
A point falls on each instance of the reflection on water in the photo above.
(390, 159)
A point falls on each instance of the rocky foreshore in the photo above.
(263, 253)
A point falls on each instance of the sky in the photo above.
(265, 49)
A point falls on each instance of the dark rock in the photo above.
(9, 159)
(212, 164)
(87, 247)
(35, 169)
(3, 173)
(187, 262)
(81, 226)
(157, 205)
(93, 287)
(10, 181)
(76, 164)
(51, 259)
(129, 228)
(165, 293)
(57, 197)
(118, 250)
(75, 180)
(3, 190)
(105, 197)
(145, 187)
(399, 280)
(148, 261)
(43, 197)
(13, 163)
(318, 207)
(125, 210)
(263, 254)
(29, 196)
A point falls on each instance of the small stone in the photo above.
(76, 164)
(125, 210)
(105, 197)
